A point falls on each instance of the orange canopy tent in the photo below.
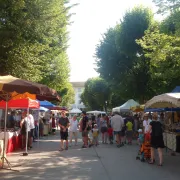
(21, 104)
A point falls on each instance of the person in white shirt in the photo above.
(146, 123)
(73, 130)
(117, 123)
(32, 127)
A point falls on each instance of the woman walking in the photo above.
(53, 124)
(73, 130)
(104, 129)
(157, 142)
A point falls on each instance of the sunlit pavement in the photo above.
(104, 162)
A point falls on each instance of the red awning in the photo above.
(20, 104)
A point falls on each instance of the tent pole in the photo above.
(27, 138)
(38, 128)
(5, 123)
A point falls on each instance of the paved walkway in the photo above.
(105, 162)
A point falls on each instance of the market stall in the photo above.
(170, 102)
(126, 107)
(13, 137)
(75, 111)
(10, 88)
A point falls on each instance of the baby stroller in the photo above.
(144, 153)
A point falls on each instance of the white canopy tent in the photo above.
(75, 111)
(96, 112)
(167, 100)
(126, 106)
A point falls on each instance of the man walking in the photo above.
(117, 124)
(85, 130)
(63, 124)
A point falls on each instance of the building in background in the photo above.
(78, 89)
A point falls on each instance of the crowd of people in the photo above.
(105, 129)
(113, 129)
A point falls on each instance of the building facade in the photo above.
(78, 89)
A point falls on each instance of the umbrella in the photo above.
(10, 85)
(58, 108)
(167, 100)
(46, 104)
(43, 109)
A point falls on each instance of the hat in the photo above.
(140, 130)
(84, 112)
(95, 124)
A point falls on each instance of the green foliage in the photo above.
(33, 40)
(96, 93)
(171, 25)
(163, 51)
(67, 94)
(167, 5)
(132, 27)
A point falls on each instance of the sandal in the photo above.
(160, 164)
(61, 149)
(151, 162)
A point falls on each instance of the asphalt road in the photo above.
(106, 162)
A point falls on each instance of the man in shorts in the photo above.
(84, 129)
(117, 123)
(63, 124)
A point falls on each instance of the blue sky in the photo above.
(92, 19)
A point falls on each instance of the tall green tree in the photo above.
(33, 41)
(96, 94)
(120, 60)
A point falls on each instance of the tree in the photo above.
(33, 41)
(120, 60)
(96, 93)
(67, 95)
(167, 5)
(171, 24)
(164, 54)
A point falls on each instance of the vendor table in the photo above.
(13, 140)
(172, 141)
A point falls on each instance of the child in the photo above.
(129, 132)
(110, 134)
(123, 132)
(140, 137)
(95, 133)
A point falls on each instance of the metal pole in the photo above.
(26, 123)
(38, 128)
(5, 122)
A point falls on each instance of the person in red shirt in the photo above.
(110, 134)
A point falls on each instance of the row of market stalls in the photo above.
(39, 108)
(167, 105)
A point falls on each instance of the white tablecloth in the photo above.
(8, 135)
